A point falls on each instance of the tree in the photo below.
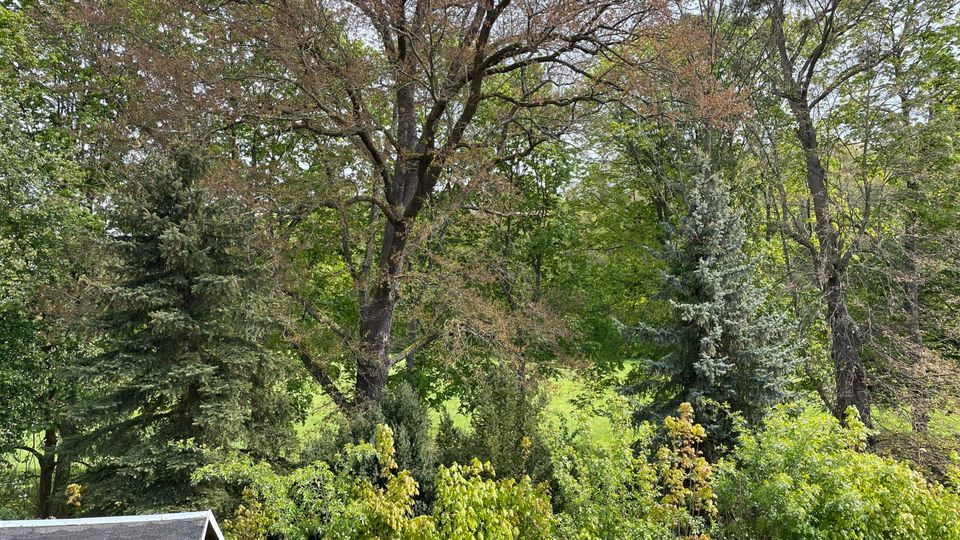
(44, 228)
(829, 65)
(726, 353)
(809, 63)
(405, 100)
(37, 225)
(183, 368)
(920, 154)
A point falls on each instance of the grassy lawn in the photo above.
(563, 395)
(942, 423)
(563, 392)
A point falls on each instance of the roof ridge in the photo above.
(205, 514)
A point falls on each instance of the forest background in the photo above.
(483, 269)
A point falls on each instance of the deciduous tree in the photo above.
(422, 93)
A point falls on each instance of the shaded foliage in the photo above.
(183, 366)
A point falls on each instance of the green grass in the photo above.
(946, 424)
(563, 406)
(563, 392)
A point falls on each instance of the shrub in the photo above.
(471, 504)
(611, 492)
(604, 491)
(505, 427)
(408, 418)
(348, 502)
(17, 489)
(805, 476)
(687, 499)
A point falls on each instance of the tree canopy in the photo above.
(483, 268)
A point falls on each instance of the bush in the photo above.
(610, 492)
(471, 504)
(806, 476)
(408, 418)
(17, 492)
(505, 427)
(603, 490)
(687, 501)
(346, 501)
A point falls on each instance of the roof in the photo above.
(180, 526)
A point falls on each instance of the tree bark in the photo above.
(373, 362)
(852, 389)
(376, 320)
(63, 471)
(851, 380)
(47, 461)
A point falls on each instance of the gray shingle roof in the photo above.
(183, 526)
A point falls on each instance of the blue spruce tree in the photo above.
(726, 353)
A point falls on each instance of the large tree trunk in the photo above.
(376, 320)
(851, 379)
(376, 317)
(47, 462)
(62, 474)
(373, 362)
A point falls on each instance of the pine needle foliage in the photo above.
(726, 353)
(182, 368)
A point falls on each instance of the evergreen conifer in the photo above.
(182, 368)
(727, 354)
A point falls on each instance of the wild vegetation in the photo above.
(607, 269)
